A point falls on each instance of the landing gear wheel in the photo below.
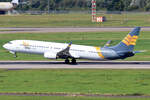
(67, 61)
(15, 55)
(74, 61)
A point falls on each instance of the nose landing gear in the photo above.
(15, 55)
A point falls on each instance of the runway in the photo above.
(55, 30)
(80, 65)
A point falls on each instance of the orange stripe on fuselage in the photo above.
(98, 49)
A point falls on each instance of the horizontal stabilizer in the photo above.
(139, 51)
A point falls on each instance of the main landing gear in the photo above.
(73, 61)
(67, 61)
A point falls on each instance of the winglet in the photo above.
(70, 44)
(108, 43)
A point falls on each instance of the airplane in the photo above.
(7, 6)
(53, 50)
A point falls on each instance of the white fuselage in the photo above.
(41, 47)
(5, 6)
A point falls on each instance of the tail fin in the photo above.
(15, 2)
(128, 43)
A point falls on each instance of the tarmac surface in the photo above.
(79, 65)
(54, 30)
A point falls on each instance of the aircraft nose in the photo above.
(5, 46)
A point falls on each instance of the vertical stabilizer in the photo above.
(128, 43)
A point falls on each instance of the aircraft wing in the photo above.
(66, 54)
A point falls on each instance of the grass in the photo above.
(74, 20)
(64, 98)
(120, 82)
(83, 38)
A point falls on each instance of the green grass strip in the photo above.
(74, 20)
(115, 82)
(64, 98)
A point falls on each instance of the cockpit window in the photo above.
(9, 42)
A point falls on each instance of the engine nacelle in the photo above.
(50, 55)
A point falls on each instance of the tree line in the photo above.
(81, 5)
